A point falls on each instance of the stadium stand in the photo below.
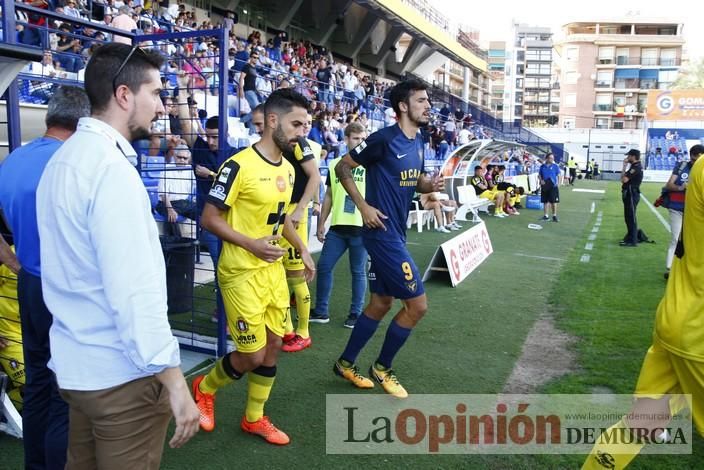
(216, 63)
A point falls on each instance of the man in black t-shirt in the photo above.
(323, 77)
(248, 81)
(631, 177)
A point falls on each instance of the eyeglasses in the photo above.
(122, 66)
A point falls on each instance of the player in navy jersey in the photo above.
(393, 159)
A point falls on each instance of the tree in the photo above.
(691, 77)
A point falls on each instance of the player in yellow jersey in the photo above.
(674, 364)
(304, 159)
(246, 208)
(11, 354)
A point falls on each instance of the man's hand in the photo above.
(297, 215)
(202, 171)
(183, 80)
(3, 342)
(316, 209)
(263, 248)
(171, 215)
(320, 234)
(372, 217)
(309, 271)
(186, 416)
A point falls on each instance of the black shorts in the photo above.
(549, 193)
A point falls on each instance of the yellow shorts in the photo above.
(258, 304)
(666, 373)
(292, 258)
(488, 194)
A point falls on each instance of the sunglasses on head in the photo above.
(122, 66)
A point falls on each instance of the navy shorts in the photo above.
(392, 271)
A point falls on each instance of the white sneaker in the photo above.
(451, 227)
(500, 215)
(456, 225)
(442, 229)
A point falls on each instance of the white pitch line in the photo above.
(657, 214)
(547, 258)
(589, 246)
(593, 207)
(585, 258)
(595, 230)
(600, 213)
(591, 237)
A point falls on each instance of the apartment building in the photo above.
(607, 68)
(529, 76)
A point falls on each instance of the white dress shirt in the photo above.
(103, 271)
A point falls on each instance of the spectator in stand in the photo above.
(124, 22)
(323, 76)
(248, 81)
(177, 188)
(207, 158)
(464, 136)
(450, 129)
(71, 10)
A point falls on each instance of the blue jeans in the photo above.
(211, 241)
(45, 414)
(334, 247)
(252, 98)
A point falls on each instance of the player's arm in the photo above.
(221, 198)
(324, 214)
(213, 220)
(291, 235)
(671, 186)
(310, 168)
(8, 258)
(371, 216)
(190, 130)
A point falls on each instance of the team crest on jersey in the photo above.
(605, 460)
(242, 325)
(412, 286)
(224, 174)
(280, 183)
(14, 364)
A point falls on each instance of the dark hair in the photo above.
(66, 107)
(213, 122)
(259, 108)
(283, 100)
(696, 150)
(104, 65)
(401, 92)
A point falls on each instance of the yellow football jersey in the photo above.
(679, 324)
(9, 308)
(254, 193)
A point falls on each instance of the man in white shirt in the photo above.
(464, 136)
(104, 280)
(177, 187)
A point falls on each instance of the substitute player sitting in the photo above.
(481, 187)
(246, 208)
(393, 160)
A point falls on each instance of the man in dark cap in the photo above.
(631, 177)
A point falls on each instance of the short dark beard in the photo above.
(280, 139)
(138, 133)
